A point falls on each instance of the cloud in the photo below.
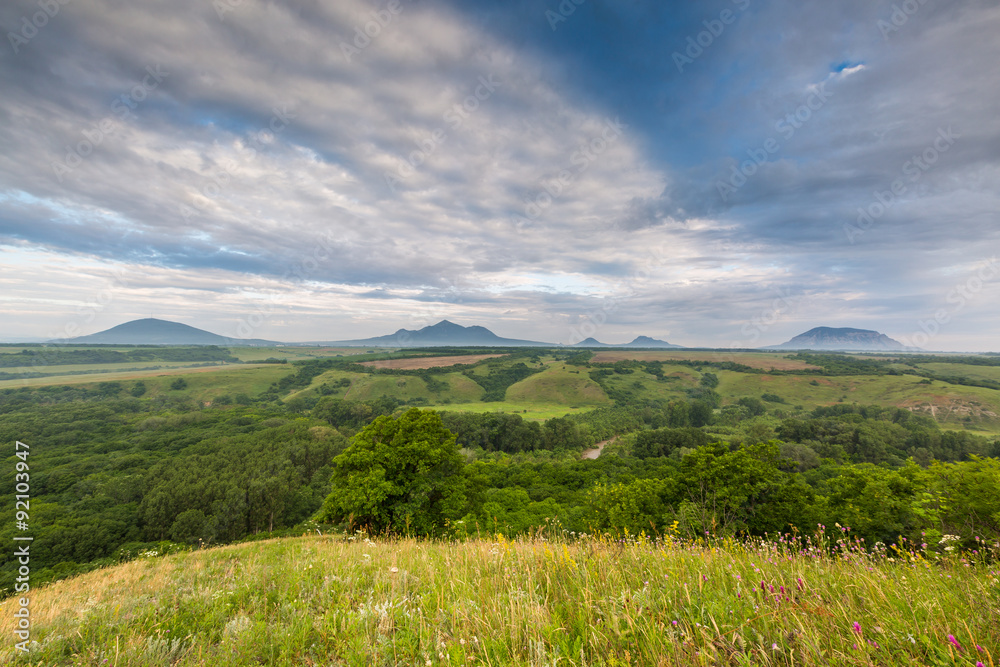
(353, 161)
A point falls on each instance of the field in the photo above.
(416, 363)
(762, 360)
(223, 375)
(560, 384)
(559, 388)
(293, 353)
(533, 601)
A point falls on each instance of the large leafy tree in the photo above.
(403, 475)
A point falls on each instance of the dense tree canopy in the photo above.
(403, 475)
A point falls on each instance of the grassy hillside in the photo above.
(559, 383)
(327, 600)
(943, 389)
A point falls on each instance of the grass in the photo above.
(949, 404)
(529, 410)
(227, 378)
(292, 353)
(534, 601)
(559, 383)
(762, 360)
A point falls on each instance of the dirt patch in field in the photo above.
(746, 358)
(418, 363)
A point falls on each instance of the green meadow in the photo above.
(548, 599)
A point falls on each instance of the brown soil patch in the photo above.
(418, 363)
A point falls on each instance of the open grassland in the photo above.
(82, 369)
(418, 363)
(964, 370)
(330, 601)
(762, 360)
(558, 383)
(949, 404)
(677, 380)
(293, 353)
(530, 410)
(228, 377)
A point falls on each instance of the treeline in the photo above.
(57, 356)
(113, 472)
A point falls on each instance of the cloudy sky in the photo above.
(724, 173)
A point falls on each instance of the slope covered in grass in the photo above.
(559, 383)
(330, 600)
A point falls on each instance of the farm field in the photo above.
(559, 385)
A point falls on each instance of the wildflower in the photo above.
(951, 638)
(857, 627)
(675, 624)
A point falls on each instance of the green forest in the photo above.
(128, 467)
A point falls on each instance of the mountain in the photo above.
(646, 341)
(151, 331)
(829, 338)
(640, 341)
(442, 334)
(591, 342)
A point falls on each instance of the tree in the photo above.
(402, 475)
(178, 384)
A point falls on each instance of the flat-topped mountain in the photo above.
(152, 331)
(442, 334)
(830, 338)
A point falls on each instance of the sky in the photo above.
(714, 174)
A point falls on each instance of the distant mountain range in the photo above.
(151, 331)
(442, 334)
(843, 339)
(640, 341)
